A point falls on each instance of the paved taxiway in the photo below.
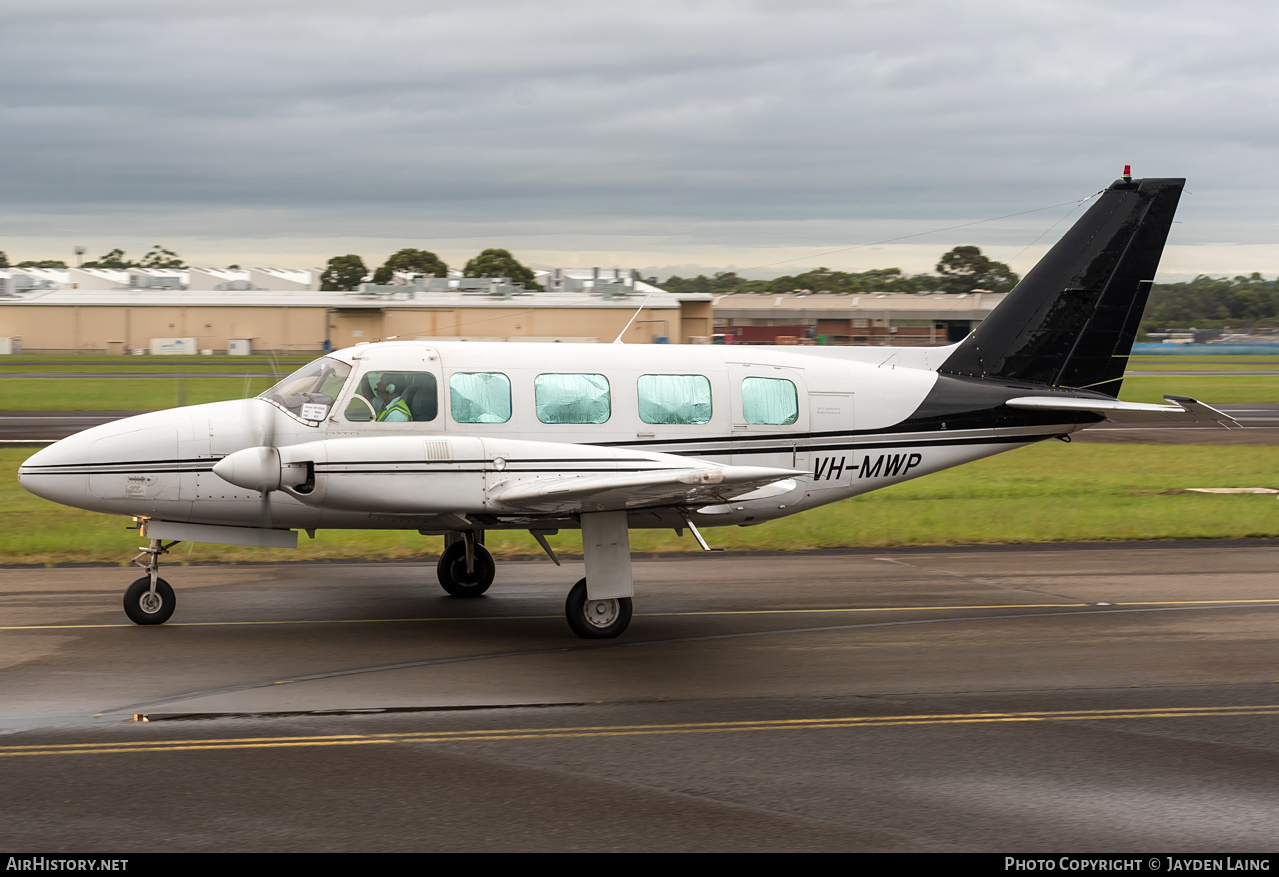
(1073, 698)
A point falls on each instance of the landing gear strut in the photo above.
(150, 600)
(466, 567)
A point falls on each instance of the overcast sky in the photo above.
(666, 136)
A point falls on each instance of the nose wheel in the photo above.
(596, 619)
(145, 605)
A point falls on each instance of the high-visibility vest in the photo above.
(397, 405)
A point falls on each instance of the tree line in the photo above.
(156, 257)
(1206, 302)
(348, 272)
(1212, 303)
(963, 269)
(342, 273)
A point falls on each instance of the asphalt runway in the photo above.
(1030, 699)
(37, 428)
(1259, 426)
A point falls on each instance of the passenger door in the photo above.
(770, 414)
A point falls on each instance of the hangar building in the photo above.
(97, 310)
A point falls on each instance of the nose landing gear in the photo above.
(150, 599)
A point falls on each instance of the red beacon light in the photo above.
(1127, 173)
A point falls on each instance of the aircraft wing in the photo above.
(691, 487)
(1183, 410)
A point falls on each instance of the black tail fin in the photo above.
(1072, 320)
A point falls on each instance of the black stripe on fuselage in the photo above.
(779, 444)
(140, 468)
(203, 461)
(116, 472)
(332, 469)
(963, 405)
(852, 439)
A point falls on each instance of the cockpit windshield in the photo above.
(309, 392)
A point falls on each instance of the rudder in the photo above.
(1072, 320)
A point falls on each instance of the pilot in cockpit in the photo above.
(390, 389)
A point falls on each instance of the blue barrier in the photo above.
(1202, 349)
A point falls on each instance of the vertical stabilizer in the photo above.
(1072, 320)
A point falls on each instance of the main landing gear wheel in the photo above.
(596, 619)
(453, 576)
(146, 607)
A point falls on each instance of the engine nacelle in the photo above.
(435, 475)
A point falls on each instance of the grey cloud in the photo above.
(661, 116)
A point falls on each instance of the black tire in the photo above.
(142, 608)
(596, 619)
(451, 571)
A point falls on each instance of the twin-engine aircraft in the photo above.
(461, 439)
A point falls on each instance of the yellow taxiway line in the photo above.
(699, 613)
(600, 731)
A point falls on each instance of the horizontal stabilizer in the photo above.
(1183, 410)
(663, 487)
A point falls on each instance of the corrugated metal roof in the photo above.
(342, 300)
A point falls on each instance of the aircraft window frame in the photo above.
(585, 394)
(689, 406)
(413, 384)
(358, 400)
(468, 396)
(309, 398)
(752, 401)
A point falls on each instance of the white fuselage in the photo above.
(441, 474)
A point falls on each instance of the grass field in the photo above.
(1213, 389)
(90, 362)
(1050, 492)
(1242, 359)
(1230, 366)
(1046, 493)
(152, 367)
(116, 394)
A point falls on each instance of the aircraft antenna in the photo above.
(618, 339)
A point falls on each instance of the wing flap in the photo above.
(692, 487)
(1184, 410)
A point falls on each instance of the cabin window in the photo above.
(395, 397)
(769, 400)
(480, 397)
(309, 392)
(572, 398)
(674, 399)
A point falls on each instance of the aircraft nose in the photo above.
(59, 472)
(90, 470)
